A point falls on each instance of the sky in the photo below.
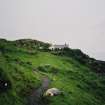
(79, 23)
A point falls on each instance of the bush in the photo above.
(5, 83)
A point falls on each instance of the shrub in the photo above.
(5, 83)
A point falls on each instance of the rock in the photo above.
(52, 92)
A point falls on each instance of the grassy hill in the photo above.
(23, 65)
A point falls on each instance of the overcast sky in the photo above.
(81, 23)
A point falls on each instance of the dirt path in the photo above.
(36, 96)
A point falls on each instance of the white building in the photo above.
(59, 46)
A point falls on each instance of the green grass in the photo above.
(80, 85)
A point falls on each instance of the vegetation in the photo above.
(77, 54)
(23, 65)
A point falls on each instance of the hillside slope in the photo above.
(23, 68)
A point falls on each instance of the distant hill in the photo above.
(25, 62)
(29, 43)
